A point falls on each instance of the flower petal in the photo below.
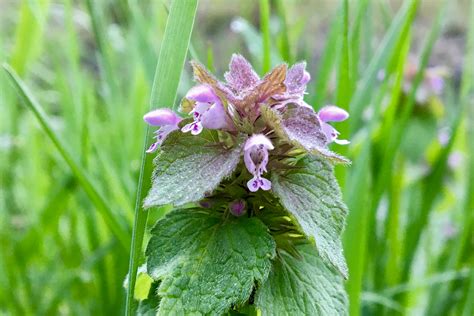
(342, 141)
(306, 78)
(249, 162)
(259, 183)
(265, 184)
(161, 117)
(202, 93)
(253, 184)
(194, 127)
(201, 107)
(258, 139)
(215, 117)
(163, 132)
(152, 148)
(332, 113)
(330, 132)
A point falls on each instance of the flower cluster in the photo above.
(270, 111)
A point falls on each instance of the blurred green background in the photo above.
(403, 69)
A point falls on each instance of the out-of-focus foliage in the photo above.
(65, 225)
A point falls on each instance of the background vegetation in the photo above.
(70, 159)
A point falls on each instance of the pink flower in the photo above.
(332, 113)
(256, 158)
(208, 111)
(168, 122)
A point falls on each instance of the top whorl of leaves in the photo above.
(210, 260)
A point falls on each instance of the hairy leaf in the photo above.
(206, 263)
(188, 167)
(311, 194)
(301, 127)
(302, 286)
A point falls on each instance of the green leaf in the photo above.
(207, 264)
(302, 286)
(147, 307)
(189, 166)
(311, 194)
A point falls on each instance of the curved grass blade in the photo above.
(119, 230)
(359, 187)
(284, 44)
(467, 90)
(168, 72)
(433, 181)
(458, 253)
(343, 96)
(395, 35)
(327, 59)
(265, 29)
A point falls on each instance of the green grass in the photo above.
(165, 85)
(79, 75)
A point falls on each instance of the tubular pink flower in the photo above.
(161, 117)
(208, 111)
(202, 93)
(332, 113)
(168, 122)
(256, 158)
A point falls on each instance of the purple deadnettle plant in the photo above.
(247, 168)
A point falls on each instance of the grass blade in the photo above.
(439, 295)
(395, 34)
(119, 230)
(327, 61)
(343, 96)
(168, 72)
(265, 30)
(284, 44)
(467, 90)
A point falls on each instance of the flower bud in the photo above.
(237, 208)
